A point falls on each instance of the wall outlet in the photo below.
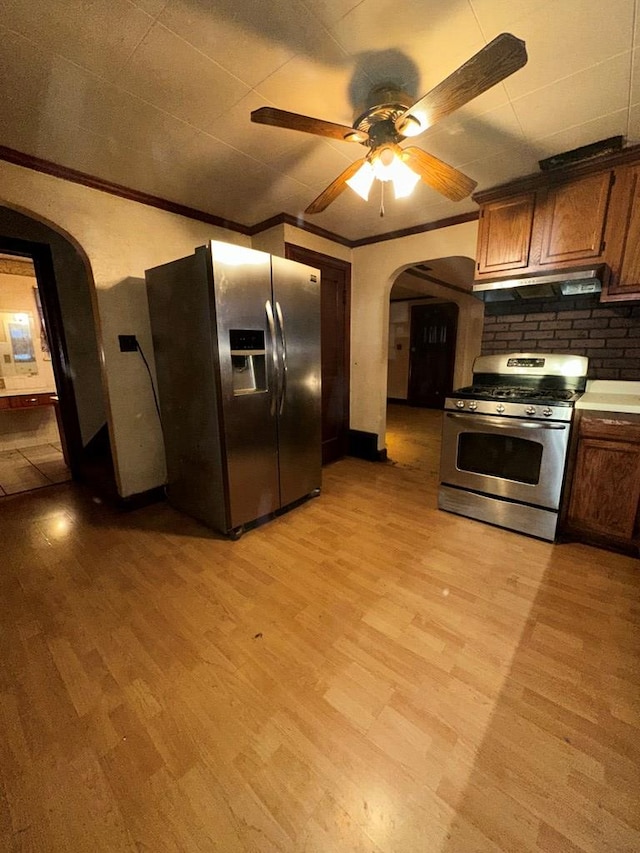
(128, 343)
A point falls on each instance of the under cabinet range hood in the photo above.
(580, 282)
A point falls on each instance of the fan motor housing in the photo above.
(382, 107)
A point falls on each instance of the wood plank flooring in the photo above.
(364, 673)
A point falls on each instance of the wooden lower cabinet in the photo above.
(30, 401)
(605, 488)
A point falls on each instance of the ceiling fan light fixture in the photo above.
(355, 136)
(387, 166)
(411, 126)
(361, 182)
(404, 179)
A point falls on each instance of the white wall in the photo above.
(317, 244)
(271, 241)
(120, 239)
(375, 268)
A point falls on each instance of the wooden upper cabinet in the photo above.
(571, 219)
(624, 217)
(574, 218)
(504, 235)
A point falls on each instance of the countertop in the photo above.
(604, 395)
(22, 392)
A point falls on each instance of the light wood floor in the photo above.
(364, 673)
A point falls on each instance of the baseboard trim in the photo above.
(364, 445)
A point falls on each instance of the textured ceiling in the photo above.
(156, 95)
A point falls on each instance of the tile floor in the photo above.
(29, 468)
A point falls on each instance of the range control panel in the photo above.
(525, 362)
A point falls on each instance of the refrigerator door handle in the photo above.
(274, 355)
(284, 356)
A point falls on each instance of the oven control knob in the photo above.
(473, 405)
(547, 412)
(499, 408)
(460, 404)
(530, 410)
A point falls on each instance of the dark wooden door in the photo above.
(433, 349)
(335, 299)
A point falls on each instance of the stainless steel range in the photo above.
(505, 440)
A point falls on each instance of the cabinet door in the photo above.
(504, 235)
(625, 221)
(606, 488)
(571, 219)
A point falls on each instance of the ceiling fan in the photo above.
(390, 117)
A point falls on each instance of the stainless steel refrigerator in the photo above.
(236, 337)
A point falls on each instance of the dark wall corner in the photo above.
(364, 445)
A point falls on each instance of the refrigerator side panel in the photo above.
(296, 290)
(248, 380)
(179, 308)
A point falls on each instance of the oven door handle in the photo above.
(490, 420)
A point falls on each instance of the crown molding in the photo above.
(48, 167)
(37, 164)
(302, 224)
(418, 229)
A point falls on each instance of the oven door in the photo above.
(507, 458)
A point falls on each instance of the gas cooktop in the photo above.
(557, 396)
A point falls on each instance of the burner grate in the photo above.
(518, 394)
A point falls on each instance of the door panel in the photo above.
(248, 383)
(504, 236)
(296, 292)
(573, 217)
(433, 349)
(335, 328)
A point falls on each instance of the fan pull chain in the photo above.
(381, 199)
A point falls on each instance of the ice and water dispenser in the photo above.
(248, 361)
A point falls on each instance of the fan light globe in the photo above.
(404, 178)
(387, 166)
(362, 180)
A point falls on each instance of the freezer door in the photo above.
(296, 294)
(249, 388)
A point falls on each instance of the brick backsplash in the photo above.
(608, 334)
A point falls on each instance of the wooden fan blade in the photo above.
(296, 121)
(500, 58)
(334, 189)
(440, 176)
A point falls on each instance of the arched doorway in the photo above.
(432, 341)
(66, 300)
